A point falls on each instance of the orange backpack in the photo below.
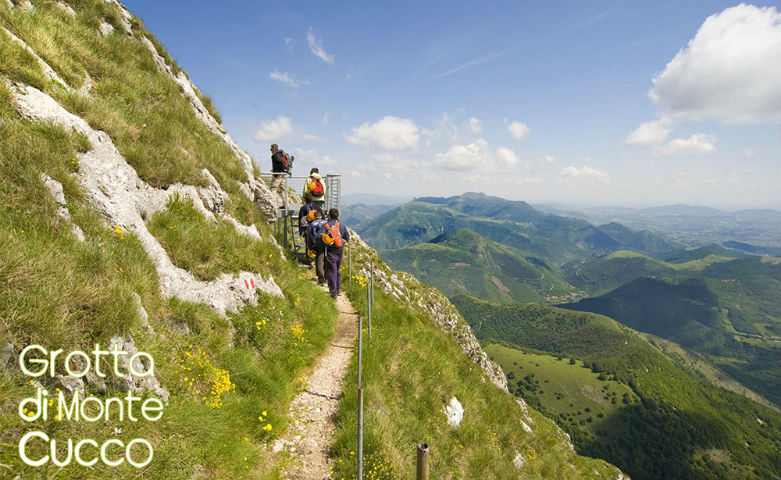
(332, 235)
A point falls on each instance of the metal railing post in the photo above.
(360, 399)
(371, 298)
(423, 462)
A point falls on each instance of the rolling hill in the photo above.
(681, 427)
(461, 261)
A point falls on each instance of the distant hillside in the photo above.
(731, 314)
(359, 214)
(598, 275)
(461, 261)
(681, 427)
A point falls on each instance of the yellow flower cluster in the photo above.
(118, 231)
(361, 280)
(260, 323)
(531, 453)
(202, 376)
(298, 331)
(262, 418)
(377, 467)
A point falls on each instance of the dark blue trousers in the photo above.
(333, 264)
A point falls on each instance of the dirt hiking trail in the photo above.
(312, 429)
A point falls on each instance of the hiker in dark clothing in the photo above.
(314, 243)
(333, 253)
(304, 215)
(277, 169)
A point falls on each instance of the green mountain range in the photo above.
(516, 224)
(674, 424)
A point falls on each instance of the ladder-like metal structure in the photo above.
(286, 223)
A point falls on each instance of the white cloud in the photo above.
(389, 133)
(649, 133)
(326, 117)
(273, 129)
(730, 70)
(506, 157)
(585, 174)
(314, 158)
(474, 125)
(316, 47)
(476, 156)
(289, 44)
(285, 78)
(518, 130)
(749, 152)
(697, 144)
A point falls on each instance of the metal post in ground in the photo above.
(369, 305)
(360, 399)
(371, 297)
(422, 470)
(285, 227)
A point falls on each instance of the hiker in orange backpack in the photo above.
(334, 238)
(316, 186)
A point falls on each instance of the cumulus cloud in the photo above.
(273, 129)
(518, 130)
(697, 144)
(506, 157)
(585, 174)
(649, 133)
(730, 70)
(476, 156)
(549, 158)
(316, 47)
(389, 133)
(285, 78)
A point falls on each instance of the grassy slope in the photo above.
(411, 370)
(562, 388)
(680, 417)
(65, 294)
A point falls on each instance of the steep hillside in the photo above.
(461, 261)
(130, 220)
(681, 427)
(732, 320)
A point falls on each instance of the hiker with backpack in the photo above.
(281, 164)
(316, 186)
(306, 213)
(315, 248)
(334, 238)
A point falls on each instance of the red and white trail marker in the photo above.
(249, 283)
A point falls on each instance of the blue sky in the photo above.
(592, 103)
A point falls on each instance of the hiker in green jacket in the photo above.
(316, 186)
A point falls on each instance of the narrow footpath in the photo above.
(311, 433)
